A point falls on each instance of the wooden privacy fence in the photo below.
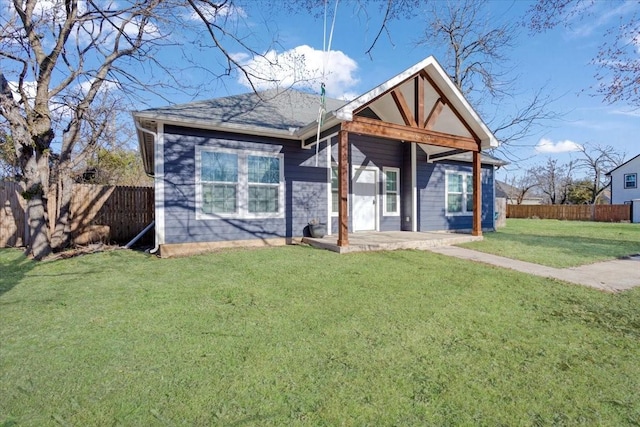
(603, 213)
(12, 215)
(108, 212)
(125, 210)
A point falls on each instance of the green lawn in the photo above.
(561, 243)
(297, 336)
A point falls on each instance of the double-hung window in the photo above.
(391, 191)
(219, 182)
(238, 184)
(459, 193)
(264, 184)
(630, 180)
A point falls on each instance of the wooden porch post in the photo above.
(477, 195)
(343, 188)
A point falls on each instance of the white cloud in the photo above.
(349, 96)
(150, 29)
(106, 86)
(58, 108)
(589, 18)
(211, 13)
(302, 67)
(46, 10)
(58, 105)
(50, 9)
(630, 113)
(29, 89)
(547, 146)
(106, 35)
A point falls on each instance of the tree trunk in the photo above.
(38, 230)
(37, 182)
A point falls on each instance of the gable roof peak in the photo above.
(442, 83)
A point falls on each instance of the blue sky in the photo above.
(559, 59)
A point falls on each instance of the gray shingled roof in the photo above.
(269, 110)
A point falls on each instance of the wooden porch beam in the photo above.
(477, 195)
(419, 100)
(365, 126)
(447, 102)
(403, 108)
(343, 188)
(434, 114)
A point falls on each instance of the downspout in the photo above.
(139, 235)
(155, 138)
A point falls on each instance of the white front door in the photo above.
(364, 200)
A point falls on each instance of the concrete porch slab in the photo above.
(390, 240)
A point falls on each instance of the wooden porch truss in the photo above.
(416, 129)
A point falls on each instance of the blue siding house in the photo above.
(257, 168)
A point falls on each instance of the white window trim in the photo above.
(414, 187)
(465, 176)
(624, 181)
(331, 212)
(384, 191)
(242, 211)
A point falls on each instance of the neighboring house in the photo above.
(624, 182)
(512, 193)
(247, 169)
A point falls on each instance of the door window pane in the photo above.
(392, 181)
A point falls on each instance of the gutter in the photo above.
(140, 143)
(155, 138)
(310, 130)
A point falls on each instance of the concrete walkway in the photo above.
(611, 276)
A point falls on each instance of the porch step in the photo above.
(389, 241)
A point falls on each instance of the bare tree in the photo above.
(553, 180)
(618, 75)
(520, 186)
(597, 160)
(60, 62)
(478, 63)
(476, 53)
